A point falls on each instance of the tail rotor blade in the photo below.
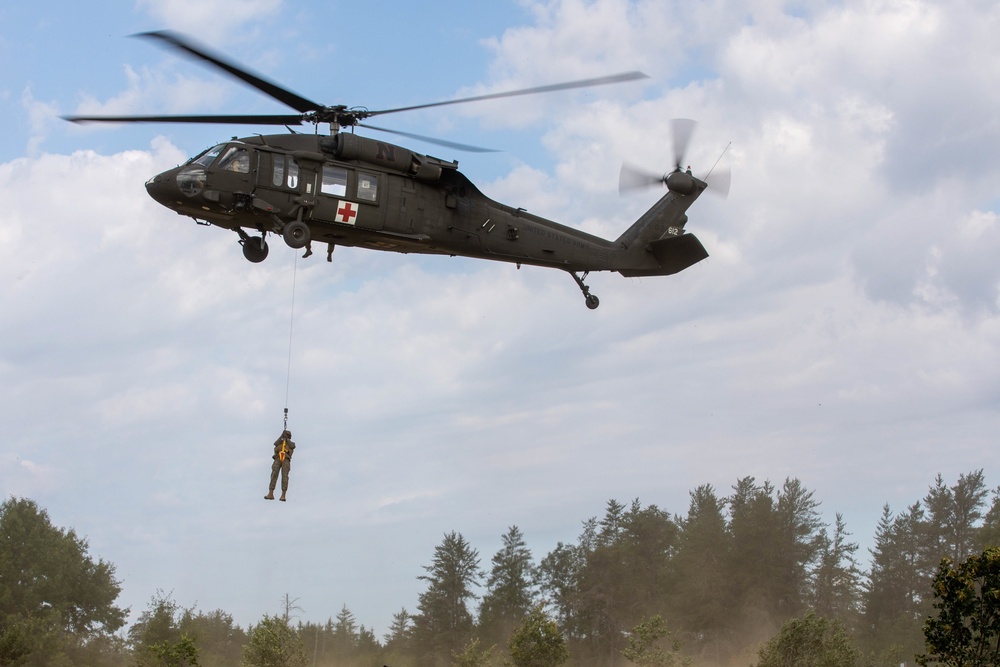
(682, 129)
(633, 178)
(719, 182)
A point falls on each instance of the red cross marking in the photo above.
(346, 212)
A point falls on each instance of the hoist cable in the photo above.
(291, 322)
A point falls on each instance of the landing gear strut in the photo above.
(592, 300)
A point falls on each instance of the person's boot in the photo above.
(270, 495)
(282, 498)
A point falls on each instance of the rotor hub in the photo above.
(681, 183)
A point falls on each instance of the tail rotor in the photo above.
(679, 181)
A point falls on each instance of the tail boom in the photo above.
(656, 244)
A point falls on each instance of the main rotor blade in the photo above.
(432, 140)
(584, 83)
(225, 120)
(283, 95)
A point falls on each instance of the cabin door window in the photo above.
(334, 181)
(367, 187)
(277, 169)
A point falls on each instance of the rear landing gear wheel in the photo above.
(297, 234)
(591, 299)
(255, 249)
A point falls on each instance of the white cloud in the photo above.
(848, 312)
(40, 118)
(211, 19)
(154, 91)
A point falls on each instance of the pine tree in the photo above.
(892, 598)
(558, 582)
(836, 580)
(344, 642)
(400, 631)
(800, 527)
(444, 622)
(509, 589)
(774, 542)
(621, 574)
(989, 533)
(701, 598)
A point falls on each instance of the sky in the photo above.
(845, 329)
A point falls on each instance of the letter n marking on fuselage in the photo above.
(385, 152)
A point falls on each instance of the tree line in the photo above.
(708, 587)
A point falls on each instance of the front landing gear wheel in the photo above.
(255, 249)
(297, 234)
(592, 300)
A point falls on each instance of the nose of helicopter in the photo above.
(163, 188)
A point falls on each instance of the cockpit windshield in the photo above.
(208, 157)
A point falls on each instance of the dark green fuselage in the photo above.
(353, 191)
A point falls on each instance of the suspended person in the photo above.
(283, 448)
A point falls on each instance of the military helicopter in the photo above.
(349, 190)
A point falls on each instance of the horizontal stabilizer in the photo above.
(674, 253)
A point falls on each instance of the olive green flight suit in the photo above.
(283, 449)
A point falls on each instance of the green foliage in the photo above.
(55, 601)
(182, 653)
(646, 645)
(989, 533)
(18, 640)
(218, 639)
(966, 630)
(165, 634)
(158, 624)
(538, 642)
(729, 573)
(621, 573)
(811, 641)
(273, 643)
(473, 656)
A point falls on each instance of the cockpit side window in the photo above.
(236, 159)
(293, 173)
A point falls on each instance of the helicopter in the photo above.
(344, 189)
